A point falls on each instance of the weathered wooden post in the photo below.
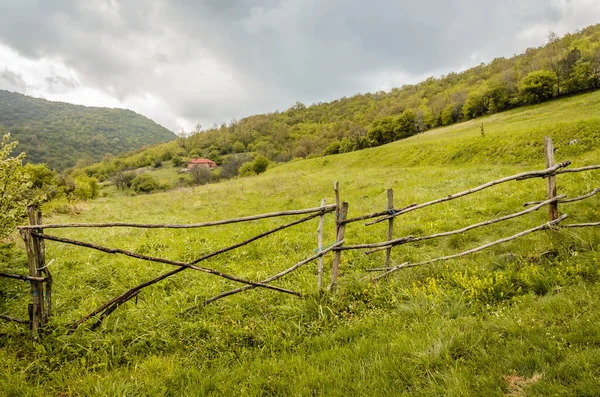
(390, 232)
(320, 243)
(549, 152)
(341, 212)
(35, 261)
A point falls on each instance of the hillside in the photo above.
(60, 134)
(564, 67)
(518, 319)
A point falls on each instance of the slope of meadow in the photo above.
(519, 318)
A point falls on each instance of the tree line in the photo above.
(564, 66)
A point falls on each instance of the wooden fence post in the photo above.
(549, 152)
(340, 231)
(390, 233)
(320, 247)
(35, 261)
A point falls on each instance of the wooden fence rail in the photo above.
(39, 275)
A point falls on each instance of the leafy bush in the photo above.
(145, 183)
(260, 164)
(246, 169)
(86, 188)
(15, 184)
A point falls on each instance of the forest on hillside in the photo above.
(61, 134)
(564, 66)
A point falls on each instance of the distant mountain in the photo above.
(60, 134)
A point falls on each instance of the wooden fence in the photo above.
(40, 278)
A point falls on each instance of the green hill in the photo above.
(564, 67)
(60, 134)
(518, 319)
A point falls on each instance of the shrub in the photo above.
(86, 188)
(145, 183)
(246, 169)
(260, 164)
(15, 183)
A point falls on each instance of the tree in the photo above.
(246, 169)
(554, 61)
(200, 174)
(14, 185)
(86, 188)
(145, 183)
(45, 184)
(260, 164)
(538, 86)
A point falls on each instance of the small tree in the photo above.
(86, 188)
(538, 86)
(145, 183)
(200, 174)
(14, 185)
(246, 169)
(260, 164)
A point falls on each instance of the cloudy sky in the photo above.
(181, 62)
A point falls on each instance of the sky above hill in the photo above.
(183, 62)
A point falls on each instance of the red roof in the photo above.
(208, 162)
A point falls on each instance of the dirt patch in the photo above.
(517, 384)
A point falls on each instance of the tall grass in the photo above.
(520, 317)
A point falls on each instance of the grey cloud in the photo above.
(275, 51)
(60, 84)
(12, 81)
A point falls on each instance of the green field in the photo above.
(518, 319)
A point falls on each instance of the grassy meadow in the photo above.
(518, 319)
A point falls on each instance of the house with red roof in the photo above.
(206, 163)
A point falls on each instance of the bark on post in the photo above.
(549, 152)
(390, 233)
(37, 317)
(320, 243)
(43, 268)
(340, 231)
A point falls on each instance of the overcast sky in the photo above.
(181, 62)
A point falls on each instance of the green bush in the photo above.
(246, 169)
(86, 188)
(145, 183)
(260, 164)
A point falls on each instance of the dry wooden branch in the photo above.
(382, 245)
(378, 249)
(23, 278)
(547, 225)
(128, 294)
(15, 319)
(521, 176)
(273, 278)
(411, 239)
(592, 224)
(329, 208)
(580, 169)
(381, 213)
(571, 200)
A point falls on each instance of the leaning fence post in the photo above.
(320, 243)
(549, 152)
(390, 232)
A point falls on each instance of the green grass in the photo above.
(520, 316)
